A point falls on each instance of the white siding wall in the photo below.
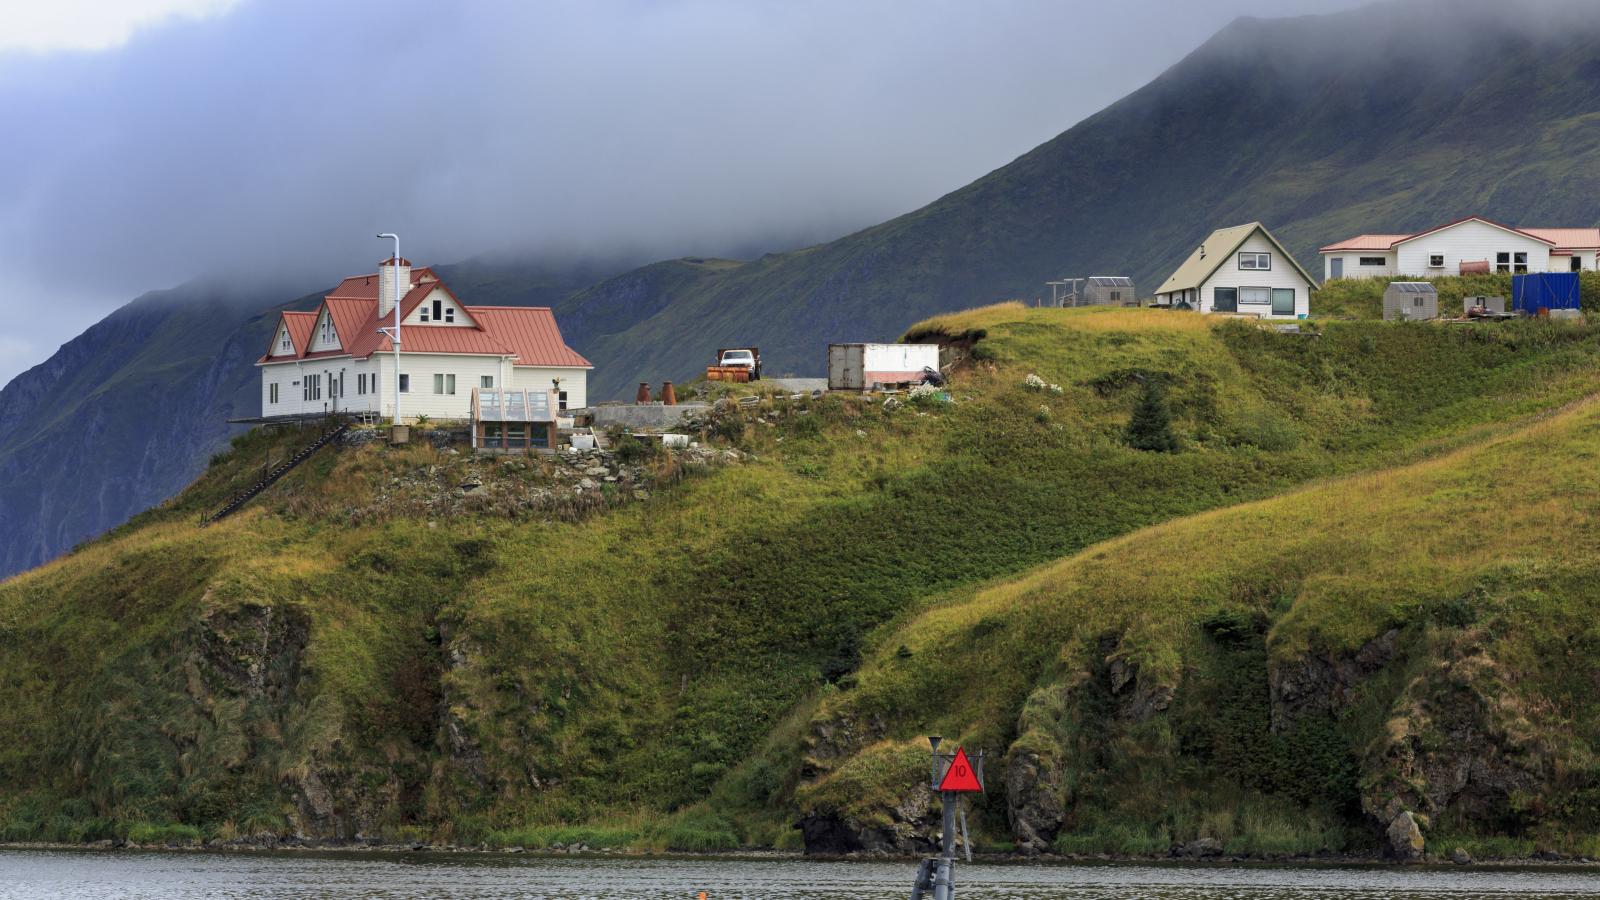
(1564, 263)
(1283, 274)
(1469, 241)
(318, 345)
(421, 399)
(1353, 267)
(461, 318)
(422, 367)
(574, 381)
(291, 380)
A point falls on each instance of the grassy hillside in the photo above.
(708, 666)
(1462, 590)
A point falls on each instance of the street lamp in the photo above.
(394, 335)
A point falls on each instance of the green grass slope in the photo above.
(660, 673)
(1153, 689)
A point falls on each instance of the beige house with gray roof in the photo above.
(1244, 271)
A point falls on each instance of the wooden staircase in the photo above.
(267, 480)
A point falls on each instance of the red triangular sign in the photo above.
(960, 776)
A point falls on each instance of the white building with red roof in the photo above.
(1465, 246)
(334, 359)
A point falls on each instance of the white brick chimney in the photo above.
(394, 282)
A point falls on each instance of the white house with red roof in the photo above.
(1465, 246)
(335, 359)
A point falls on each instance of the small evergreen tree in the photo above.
(1151, 425)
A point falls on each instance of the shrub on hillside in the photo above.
(1151, 425)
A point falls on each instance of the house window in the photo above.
(1577, 264)
(361, 384)
(405, 384)
(486, 381)
(424, 314)
(1417, 302)
(444, 384)
(1381, 261)
(327, 331)
(1502, 262)
(438, 310)
(450, 314)
(1224, 299)
(1520, 264)
(285, 344)
(1255, 262)
(1435, 260)
(561, 401)
(272, 392)
(1255, 296)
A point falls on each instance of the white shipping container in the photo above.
(861, 367)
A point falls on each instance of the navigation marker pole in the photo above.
(951, 775)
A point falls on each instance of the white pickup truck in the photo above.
(736, 364)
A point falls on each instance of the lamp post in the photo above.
(394, 334)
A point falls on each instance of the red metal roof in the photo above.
(532, 333)
(1366, 242)
(529, 334)
(1563, 238)
(1569, 238)
(299, 325)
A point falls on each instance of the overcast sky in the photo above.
(154, 141)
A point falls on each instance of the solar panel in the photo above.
(1110, 281)
(1412, 287)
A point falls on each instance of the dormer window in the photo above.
(327, 331)
(285, 345)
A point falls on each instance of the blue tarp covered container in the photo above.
(1546, 290)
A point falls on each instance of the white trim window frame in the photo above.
(1255, 296)
(1435, 260)
(1259, 261)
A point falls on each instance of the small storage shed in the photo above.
(1544, 291)
(1108, 290)
(514, 421)
(1410, 301)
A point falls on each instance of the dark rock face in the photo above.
(1455, 745)
(1034, 804)
(1320, 684)
(912, 827)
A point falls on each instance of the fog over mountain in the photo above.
(271, 140)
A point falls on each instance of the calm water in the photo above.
(31, 874)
